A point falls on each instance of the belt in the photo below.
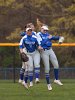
(46, 48)
(30, 51)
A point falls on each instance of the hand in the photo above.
(24, 57)
(40, 48)
(61, 39)
(50, 36)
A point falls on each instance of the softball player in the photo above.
(24, 69)
(47, 54)
(35, 68)
(29, 41)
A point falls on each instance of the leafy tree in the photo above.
(59, 15)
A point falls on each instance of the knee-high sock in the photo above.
(47, 78)
(30, 74)
(37, 72)
(56, 71)
(26, 76)
(22, 73)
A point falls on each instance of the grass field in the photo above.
(15, 91)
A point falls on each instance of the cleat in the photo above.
(37, 81)
(25, 85)
(20, 81)
(31, 84)
(58, 82)
(23, 82)
(49, 87)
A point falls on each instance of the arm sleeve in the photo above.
(21, 44)
(39, 39)
(55, 37)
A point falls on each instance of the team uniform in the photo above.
(24, 69)
(47, 54)
(30, 43)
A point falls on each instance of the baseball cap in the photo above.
(27, 29)
(45, 27)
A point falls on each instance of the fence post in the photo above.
(14, 63)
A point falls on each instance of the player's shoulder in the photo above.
(38, 33)
(34, 36)
(24, 37)
(34, 33)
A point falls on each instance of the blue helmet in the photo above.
(22, 33)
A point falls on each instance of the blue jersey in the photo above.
(29, 42)
(44, 40)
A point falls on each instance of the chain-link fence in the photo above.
(10, 62)
(8, 73)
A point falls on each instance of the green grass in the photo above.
(15, 91)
